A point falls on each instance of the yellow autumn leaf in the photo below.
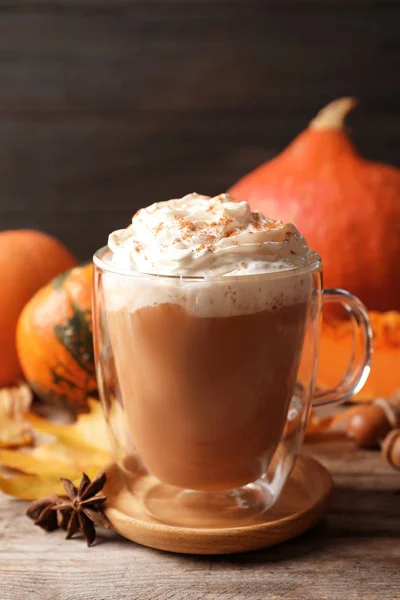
(30, 464)
(89, 431)
(65, 453)
(14, 434)
(79, 447)
(31, 487)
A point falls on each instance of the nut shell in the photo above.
(369, 424)
(391, 448)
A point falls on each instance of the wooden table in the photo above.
(354, 554)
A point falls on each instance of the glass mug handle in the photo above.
(359, 366)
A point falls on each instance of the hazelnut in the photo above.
(370, 424)
(391, 448)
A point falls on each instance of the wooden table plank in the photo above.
(353, 554)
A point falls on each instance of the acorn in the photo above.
(369, 424)
(391, 448)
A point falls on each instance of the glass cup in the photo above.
(206, 385)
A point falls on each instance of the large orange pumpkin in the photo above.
(55, 343)
(28, 260)
(347, 207)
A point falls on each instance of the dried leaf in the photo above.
(14, 434)
(89, 431)
(31, 464)
(15, 401)
(30, 487)
(68, 454)
(81, 446)
(14, 430)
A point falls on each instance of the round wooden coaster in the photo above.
(302, 503)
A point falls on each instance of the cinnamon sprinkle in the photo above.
(159, 227)
(233, 232)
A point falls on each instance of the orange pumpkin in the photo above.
(28, 260)
(336, 346)
(348, 208)
(55, 343)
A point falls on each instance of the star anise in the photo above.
(42, 513)
(81, 509)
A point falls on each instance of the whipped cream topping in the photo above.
(207, 237)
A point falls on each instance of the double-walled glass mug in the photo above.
(206, 384)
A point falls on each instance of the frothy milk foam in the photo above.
(217, 241)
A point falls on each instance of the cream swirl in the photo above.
(206, 237)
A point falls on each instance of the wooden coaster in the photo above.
(302, 503)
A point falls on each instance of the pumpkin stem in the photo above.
(333, 115)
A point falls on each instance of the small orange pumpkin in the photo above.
(55, 342)
(335, 349)
(28, 260)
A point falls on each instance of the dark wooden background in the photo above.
(108, 105)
